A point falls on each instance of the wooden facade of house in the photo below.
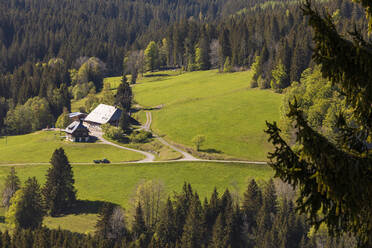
(77, 132)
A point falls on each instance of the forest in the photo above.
(58, 51)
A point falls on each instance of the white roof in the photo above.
(103, 113)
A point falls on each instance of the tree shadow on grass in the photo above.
(157, 75)
(2, 219)
(87, 207)
(211, 150)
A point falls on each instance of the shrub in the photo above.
(140, 136)
(114, 133)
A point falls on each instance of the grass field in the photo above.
(218, 105)
(38, 147)
(117, 183)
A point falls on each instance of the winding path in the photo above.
(149, 157)
(186, 156)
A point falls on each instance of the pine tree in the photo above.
(334, 178)
(124, 97)
(252, 203)
(11, 185)
(218, 235)
(124, 121)
(192, 232)
(202, 54)
(26, 210)
(166, 230)
(224, 40)
(59, 191)
(103, 225)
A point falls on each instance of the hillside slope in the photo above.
(220, 106)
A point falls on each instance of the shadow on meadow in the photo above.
(211, 150)
(157, 75)
(87, 207)
(2, 219)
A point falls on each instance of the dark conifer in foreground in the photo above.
(59, 191)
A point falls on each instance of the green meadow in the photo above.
(117, 183)
(38, 147)
(220, 106)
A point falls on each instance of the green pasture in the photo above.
(38, 147)
(117, 183)
(220, 106)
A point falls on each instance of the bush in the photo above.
(114, 133)
(140, 136)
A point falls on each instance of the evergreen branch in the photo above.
(329, 179)
(345, 63)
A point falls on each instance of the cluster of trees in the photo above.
(261, 219)
(27, 205)
(319, 100)
(33, 96)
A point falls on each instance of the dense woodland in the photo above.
(61, 50)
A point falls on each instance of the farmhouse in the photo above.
(77, 132)
(103, 114)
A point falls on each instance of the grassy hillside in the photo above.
(39, 147)
(218, 105)
(117, 183)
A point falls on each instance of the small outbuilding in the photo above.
(77, 132)
(76, 116)
(103, 114)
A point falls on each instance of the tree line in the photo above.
(261, 218)
(275, 41)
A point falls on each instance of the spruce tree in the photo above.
(124, 121)
(166, 229)
(192, 232)
(103, 225)
(59, 191)
(225, 51)
(334, 178)
(218, 234)
(26, 211)
(252, 203)
(124, 97)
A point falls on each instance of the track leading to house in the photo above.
(149, 157)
